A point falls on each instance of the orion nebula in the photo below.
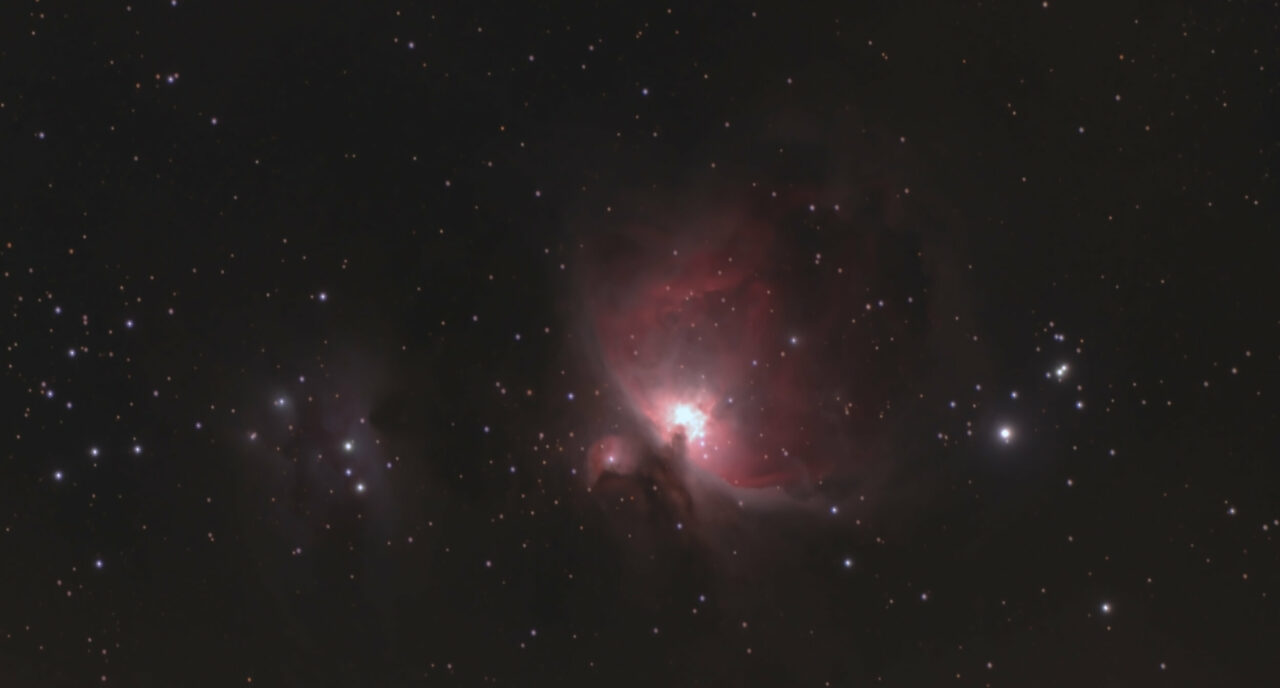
(752, 339)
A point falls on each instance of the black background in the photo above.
(1097, 169)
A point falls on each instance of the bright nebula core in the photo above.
(687, 419)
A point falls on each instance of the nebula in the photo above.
(724, 335)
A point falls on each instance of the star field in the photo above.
(843, 344)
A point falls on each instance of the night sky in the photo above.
(557, 344)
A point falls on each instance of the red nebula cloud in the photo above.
(694, 331)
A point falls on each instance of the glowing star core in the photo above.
(689, 419)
